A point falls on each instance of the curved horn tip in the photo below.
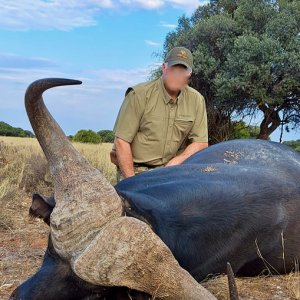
(40, 85)
(57, 81)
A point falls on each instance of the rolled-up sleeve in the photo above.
(129, 116)
(199, 131)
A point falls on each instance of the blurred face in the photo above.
(175, 77)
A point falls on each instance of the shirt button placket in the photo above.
(172, 112)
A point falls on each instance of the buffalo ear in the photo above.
(41, 207)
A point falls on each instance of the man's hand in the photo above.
(124, 156)
(174, 161)
(190, 150)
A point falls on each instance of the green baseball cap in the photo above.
(180, 56)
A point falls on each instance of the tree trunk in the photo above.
(270, 122)
(218, 119)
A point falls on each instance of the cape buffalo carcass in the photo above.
(163, 231)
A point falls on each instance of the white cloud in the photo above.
(66, 15)
(188, 4)
(148, 4)
(103, 80)
(32, 68)
(55, 14)
(9, 60)
(92, 105)
(167, 25)
(103, 3)
(152, 43)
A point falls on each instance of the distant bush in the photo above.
(294, 144)
(107, 136)
(8, 130)
(87, 136)
(240, 130)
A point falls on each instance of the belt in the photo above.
(144, 165)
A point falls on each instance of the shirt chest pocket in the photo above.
(182, 127)
(152, 127)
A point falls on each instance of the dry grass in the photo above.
(98, 156)
(24, 170)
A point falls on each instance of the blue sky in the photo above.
(109, 45)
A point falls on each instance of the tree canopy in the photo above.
(8, 130)
(87, 136)
(107, 136)
(246, 62)
(294, 144)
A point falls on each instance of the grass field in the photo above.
(24, 170)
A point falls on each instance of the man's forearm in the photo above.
(124, 156)
(190, 150)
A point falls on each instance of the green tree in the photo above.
(107, 136)
(87, 136)
(8, 130)
(240, 130)
(294, 144)
(246, 62)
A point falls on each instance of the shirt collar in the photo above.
(167, 97)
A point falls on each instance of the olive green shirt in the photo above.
(157, 128)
